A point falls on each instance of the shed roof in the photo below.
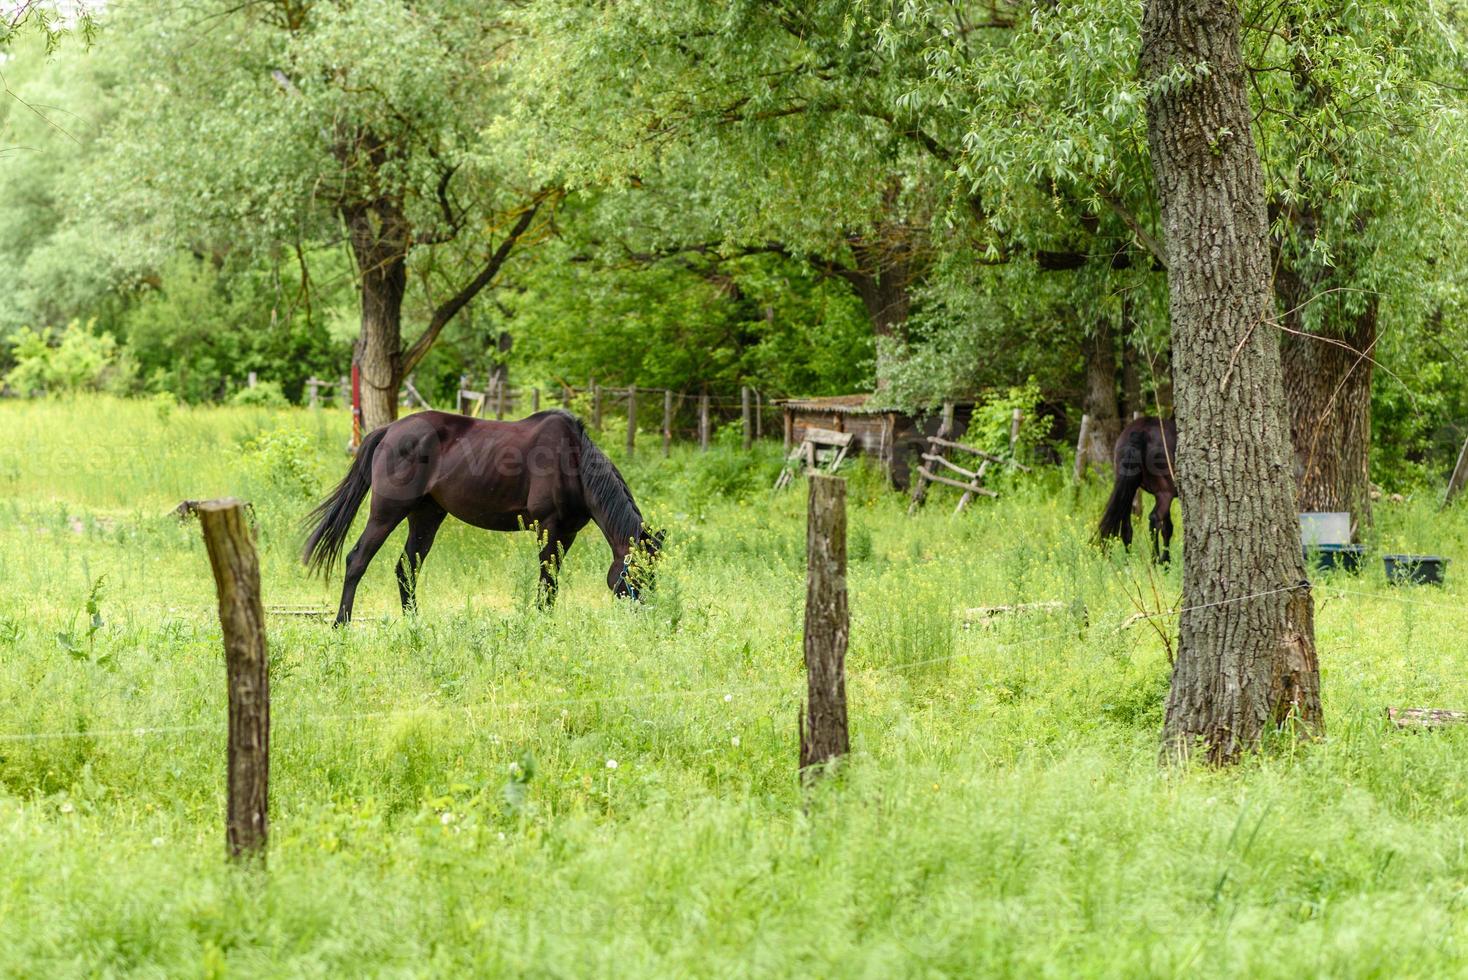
(861, 404)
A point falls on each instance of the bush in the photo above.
(68, 361)
(265, 394)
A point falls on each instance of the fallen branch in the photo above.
(983, 614)
(1425, 717)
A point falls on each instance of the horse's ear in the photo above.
(660, 537)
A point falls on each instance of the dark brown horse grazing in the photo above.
(543, 472)
(1146, 457)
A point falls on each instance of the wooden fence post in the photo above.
(789, 424)
(823, 730)
(759, 415)
(631, 419)
(1014, 423)
(1083, 447)
(667, 422)
(703, 422)
(534, 400)
(1459, 479)
(313, 389)
(595, 405)
(251, 379)
(746, 417)
(237, 580)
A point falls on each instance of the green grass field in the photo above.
(609, 789)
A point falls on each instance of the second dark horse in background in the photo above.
(1146, 458)
(542, 473)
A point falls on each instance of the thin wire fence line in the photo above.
(728, 691)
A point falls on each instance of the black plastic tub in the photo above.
(1415, 569)
(1335, 557)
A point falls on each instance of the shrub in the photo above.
(67, 361)
(265, 394)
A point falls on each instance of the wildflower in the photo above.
(728, 698)
(734, 741)
(446, 818)
(611, 763)
(157, 841)
(67, 807)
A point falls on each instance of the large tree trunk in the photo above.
(1327, 381)
(380, 237)
(1100, 399)
(1246, 660)
(882, 280)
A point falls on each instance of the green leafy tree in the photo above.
(281, 124)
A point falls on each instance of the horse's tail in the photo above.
(1131, 458)
(606, 493)
(333, 516)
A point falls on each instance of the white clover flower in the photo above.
(611, 763)
(734, 741)
(728, 698)
(446, 818)
(67, 807)
(157, 841)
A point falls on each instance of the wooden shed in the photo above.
(894, 438)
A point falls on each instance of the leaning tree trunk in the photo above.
(379, 237)
(1327, 382)
(1131, 368)
(1246, 660)
(1100, 399)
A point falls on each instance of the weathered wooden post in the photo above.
(703, 422)
(242, 616)
(312, 386)
(789, 419)
(1459, 479)
(823, 730)
(1014, 423)
(667, 422)
(595, 405)
(746, 417)
(499, 398)
(631, 419)
(759, 415)
(1083, 448)
(534, 400)
(251, 379)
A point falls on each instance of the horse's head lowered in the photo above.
(633, 573)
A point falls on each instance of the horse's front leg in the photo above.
(1161, 523)
(555, 542)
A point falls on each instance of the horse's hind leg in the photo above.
(379, 526)
(423, 524)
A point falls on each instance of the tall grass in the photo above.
(609, 788)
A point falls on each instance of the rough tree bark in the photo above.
(380, 238)
(1100, 400)
(1246, 660)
